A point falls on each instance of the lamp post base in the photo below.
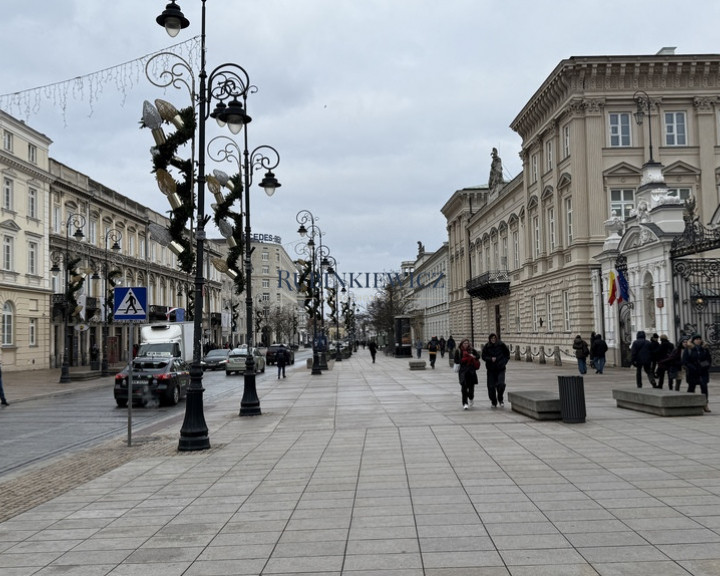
(250, 403)
(65, 374)
(194, 431)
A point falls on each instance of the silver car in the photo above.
(237, 357)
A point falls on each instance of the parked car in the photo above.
(215, 359)
(272, 350)
(237, 358)
(162, 378)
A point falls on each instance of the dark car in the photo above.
(155, 378)
(272, 350)
(215, 359)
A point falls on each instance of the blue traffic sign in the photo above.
(130, 304)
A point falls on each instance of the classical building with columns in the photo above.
(530, 258)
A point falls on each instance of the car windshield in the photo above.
(239, 351)
(216, 354)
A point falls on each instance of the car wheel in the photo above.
(121, 403)
(227, 372)
(174, 396)
(263, 369)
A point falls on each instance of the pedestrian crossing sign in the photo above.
(130, 304)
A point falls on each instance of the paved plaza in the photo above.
(373, 469)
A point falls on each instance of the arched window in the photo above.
(8, 316)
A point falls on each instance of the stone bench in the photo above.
(660, 402)
(417, 364)
(537, 404)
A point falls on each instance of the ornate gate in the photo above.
(696, 283)
(626, 335)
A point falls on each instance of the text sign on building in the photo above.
(130, 304)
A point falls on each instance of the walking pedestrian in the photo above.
(582, 351)
(451, 346)
(641, 358)
(665, 349)
(442, 346)
(373, 349)
(466, 357)
(654, 353)
(598, 349)
(697, 360)
(433, 350)
(281, 357)
(672, 364)
(496, 355)
(418, 347)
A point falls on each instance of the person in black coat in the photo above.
(641, 357)
(666, 348)
(281, 358)
(697, 360)
(466, 357)
(598, 349)
(672, 364)
(373, 349)
(495, 354)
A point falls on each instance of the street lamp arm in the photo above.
(161, 73)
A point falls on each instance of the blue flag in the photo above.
(623, 287)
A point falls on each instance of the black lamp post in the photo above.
(77, 220)
(226, 83)
(331, 269)
(266, 158)
(642, 100)
(306, 217)
(116, 237)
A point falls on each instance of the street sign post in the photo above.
(130, 306)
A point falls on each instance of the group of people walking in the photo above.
(495, 354)
(656, 358)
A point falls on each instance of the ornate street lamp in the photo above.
(266, 158)
(226, 85)
(77, 220)
(642, 100)
(332, 269)
(115, 236)
(313, 288)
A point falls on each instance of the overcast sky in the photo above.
(380, 109)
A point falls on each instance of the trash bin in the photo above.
(572, 399)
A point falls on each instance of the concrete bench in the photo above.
(537, 404)
(417, 364)
(660, 402)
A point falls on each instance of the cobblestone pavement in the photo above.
(372, 469)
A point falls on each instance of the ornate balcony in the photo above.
(489, 285)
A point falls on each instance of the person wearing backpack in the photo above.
(641, 357)
(582, 351)
(432, 351)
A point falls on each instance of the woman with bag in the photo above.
(466, 365)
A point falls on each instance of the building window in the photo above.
(7, 201)
(619, 129)
(622, 201)
(92, 232)
(7, 141)
(265, 257)
(142, 248)
(549, 155)
(488, 266)
(56, 219)
(265, 283)
(32, 332)
(682, 193)
(32, 257)
(536, 236)
(534, 168)
(517, 317)
(7, 260)
(566, 140)
(32, 153)
(516, 250)
(131, 247)
(533, 302)
(566, 309)
(266, 270)
(551, 228)
(675, 129)
(548, 311)
(7, 324)
(568, 221)
(504, 262)
(32, 203)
